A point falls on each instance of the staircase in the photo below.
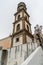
(36, 58)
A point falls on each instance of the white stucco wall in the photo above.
(20, 40)
(18, 54)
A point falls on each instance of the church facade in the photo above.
(18, 46)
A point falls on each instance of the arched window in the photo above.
(4, 57)
(27, 27)
(18, 27)
(18, 17)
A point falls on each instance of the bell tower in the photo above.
(21, 27)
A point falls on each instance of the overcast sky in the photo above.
(9, 7)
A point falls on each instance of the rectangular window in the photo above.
(17, 39)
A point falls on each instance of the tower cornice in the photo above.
(20, 11)
(21, 19)
(21, 32)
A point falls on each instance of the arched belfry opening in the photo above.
(4, 57)
(18, 27)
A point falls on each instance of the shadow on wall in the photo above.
(41, 44)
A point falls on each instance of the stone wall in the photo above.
(18, 54)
